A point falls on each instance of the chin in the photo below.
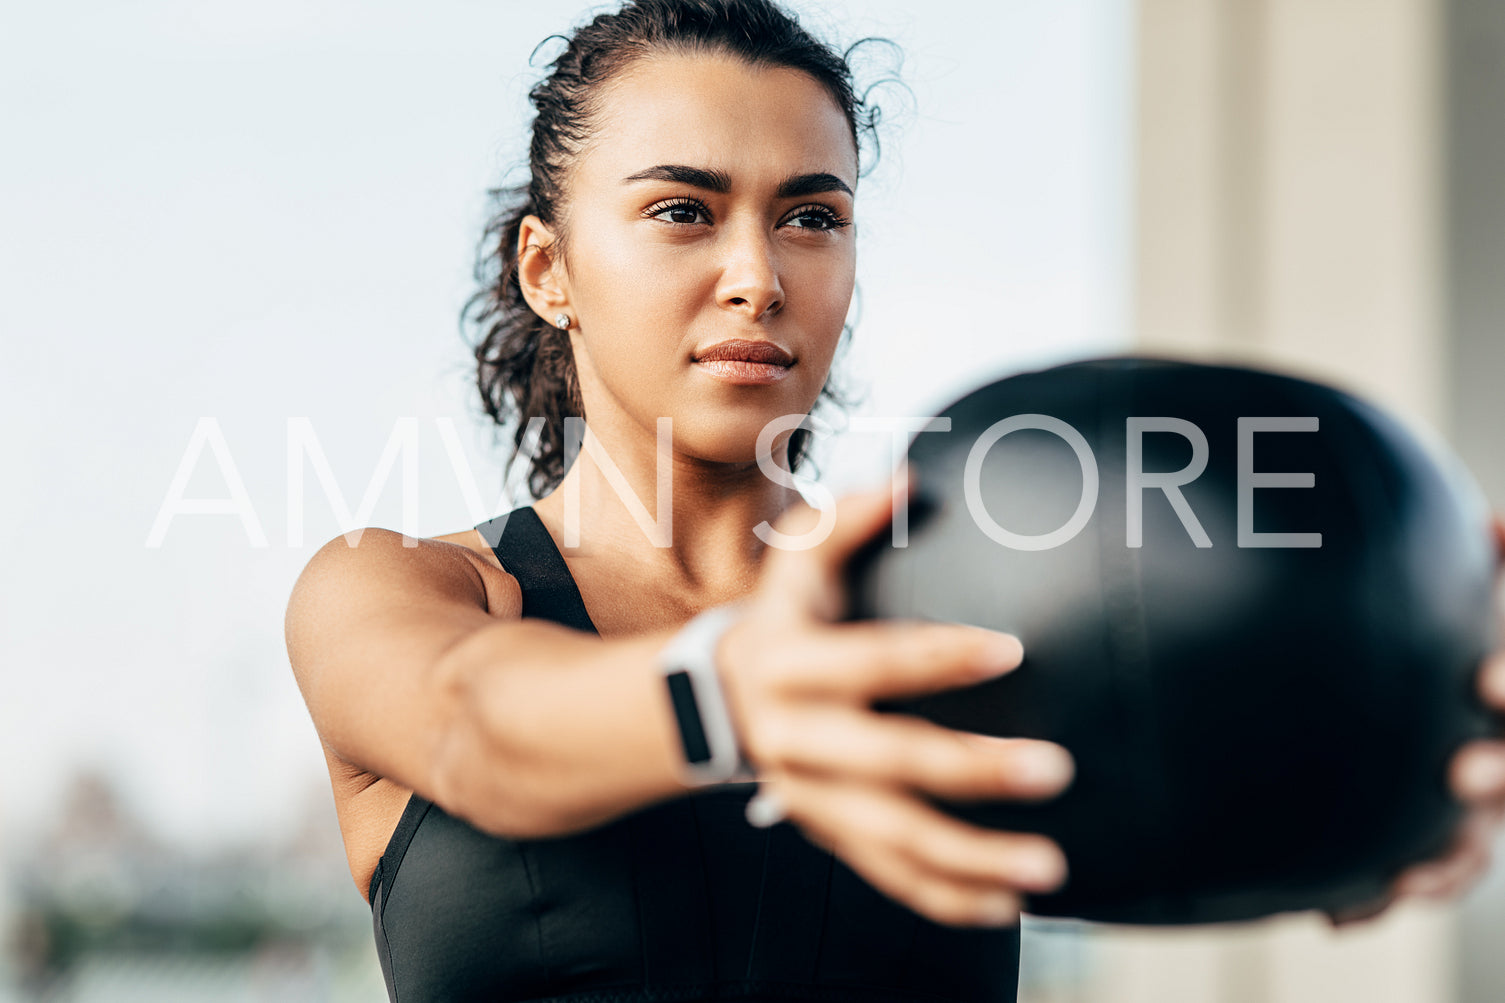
(734, 440)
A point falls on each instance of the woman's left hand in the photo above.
(1477, 778)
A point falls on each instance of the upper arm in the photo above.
(366, 629)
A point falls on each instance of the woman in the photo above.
(510, 769)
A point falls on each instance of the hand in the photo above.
(800, 688)
(1477, 778)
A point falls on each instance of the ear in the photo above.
(539, 271)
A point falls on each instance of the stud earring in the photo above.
(562, 321)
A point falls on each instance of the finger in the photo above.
(869, 512)
(872, 660)
(1476, 774)
(1491, 683)
(949, 846)
(809, 548)
(912, 752)
(863, 825)
(834, 535)
(1439, 882)
(1498, 525)
(938, 843)
(1030, 769)
(1465, 863)
(1469, 846)
(952, 903)
(1477, 829)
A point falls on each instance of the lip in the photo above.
(746, 363)
(741, 350)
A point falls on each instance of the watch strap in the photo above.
(709, 744)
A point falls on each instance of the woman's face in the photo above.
(713, 203)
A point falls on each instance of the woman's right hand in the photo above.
(801, 687)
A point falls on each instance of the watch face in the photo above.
(697, 749)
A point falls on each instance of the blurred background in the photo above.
(234, 242)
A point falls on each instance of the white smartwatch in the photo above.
(711, 751)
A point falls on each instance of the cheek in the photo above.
(822, 295)
(629, 285)
(630, 301)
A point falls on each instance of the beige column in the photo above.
(1288, 191)
(1475, 70)
(1289, 213)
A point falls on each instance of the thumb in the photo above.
(836, 533)
(810, 546)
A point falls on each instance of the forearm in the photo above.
(554, 731)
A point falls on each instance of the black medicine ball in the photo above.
(1252, 608)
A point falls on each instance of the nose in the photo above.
(749, 282)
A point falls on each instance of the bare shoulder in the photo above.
(379, 562)
(369, 610)
(474, 544)
(365, 591)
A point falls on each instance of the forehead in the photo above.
(718, 111)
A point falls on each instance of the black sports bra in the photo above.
(681, 901)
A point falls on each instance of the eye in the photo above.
(681, 212)
(817, 217)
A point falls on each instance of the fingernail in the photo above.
(1000, 653)
(1040, 871)
(1483, 775)
(1043, 767)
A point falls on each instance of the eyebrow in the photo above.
(796, 186)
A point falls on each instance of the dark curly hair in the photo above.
(525, 366)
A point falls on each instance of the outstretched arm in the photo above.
(417, 668)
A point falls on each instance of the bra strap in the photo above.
(523, 544)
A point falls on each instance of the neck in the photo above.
(688, 523)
